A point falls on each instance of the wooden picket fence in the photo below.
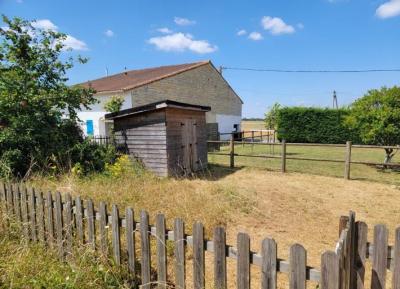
(62, 222)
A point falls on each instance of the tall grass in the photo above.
(130, 185)
(32, 265)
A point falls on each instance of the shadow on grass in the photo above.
(215, 172)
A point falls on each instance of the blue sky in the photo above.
(284, 34)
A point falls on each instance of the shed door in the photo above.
(189, 139)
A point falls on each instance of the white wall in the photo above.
(96, 113)
(225, 124)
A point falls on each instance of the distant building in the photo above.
(197, 83)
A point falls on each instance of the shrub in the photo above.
(87, 157)
(314, 125)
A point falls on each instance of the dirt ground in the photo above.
(305, 209)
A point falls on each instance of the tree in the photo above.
(114, 104)
(38, 110)
(271, 116)
(376, 116)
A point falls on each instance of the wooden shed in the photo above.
(168, 137)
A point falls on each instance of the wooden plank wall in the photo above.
(62, 222)
(176, 119)
(145, 138)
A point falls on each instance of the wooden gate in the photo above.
(189, 146)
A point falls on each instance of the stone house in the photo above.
(198, 83)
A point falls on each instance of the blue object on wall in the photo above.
(89, 127)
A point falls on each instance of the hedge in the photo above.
(314, 125)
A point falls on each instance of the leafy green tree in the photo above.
(271, 116)
(377, 118)
(38, 110)
(114, 104)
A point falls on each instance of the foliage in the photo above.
(271, 116)
(114, 104)
(88, 157)
(38, 110)
(124, 166)
(314, 125)
(31, 265)
(377, 117)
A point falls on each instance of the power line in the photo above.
(309, 71)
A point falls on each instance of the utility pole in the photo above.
(221, 68)
(335, 102)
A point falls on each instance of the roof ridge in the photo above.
(194, 64)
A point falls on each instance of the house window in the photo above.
(236, 127)
(89, 127)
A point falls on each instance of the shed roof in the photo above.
(156, 106)
(134, 78)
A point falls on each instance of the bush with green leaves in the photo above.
(38, 110)
(376, 116)
(314, 125)
(87, 157)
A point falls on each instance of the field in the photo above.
(248, 125)
(302, 206)
(290, 208)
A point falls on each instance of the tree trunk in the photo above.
(389, 155)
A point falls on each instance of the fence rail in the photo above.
(62, 222)
(347, 160)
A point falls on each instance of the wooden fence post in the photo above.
(40, 217)
(347, 161)
(130, 239)
(59, 225)
(283, 156)
(161, 252)
(232, 151)
(32, 214)
(198, 256)
(91, 224)
(25, 218)
(219, 258)
(361, 250)
(179, 238)
(379, 258)
(329, 270)
(68, 226)
(268, 267)
(243, 261)
(79, 220)
(298, 261)
(103, 224)
(50, 219)
(396, 265)
(145, 248)
(116, 241)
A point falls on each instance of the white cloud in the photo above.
(165, 30)
(256, 36)
(109, 33)
(70, 42)
(241, 32)
(276, 25)
(389, 9)
(181, 42)
(75, 44)
(44, 24)
(183, 21)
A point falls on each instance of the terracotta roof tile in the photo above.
(134, 78)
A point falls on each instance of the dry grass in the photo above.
(290, 208)
(37, 266)
(248, 125)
